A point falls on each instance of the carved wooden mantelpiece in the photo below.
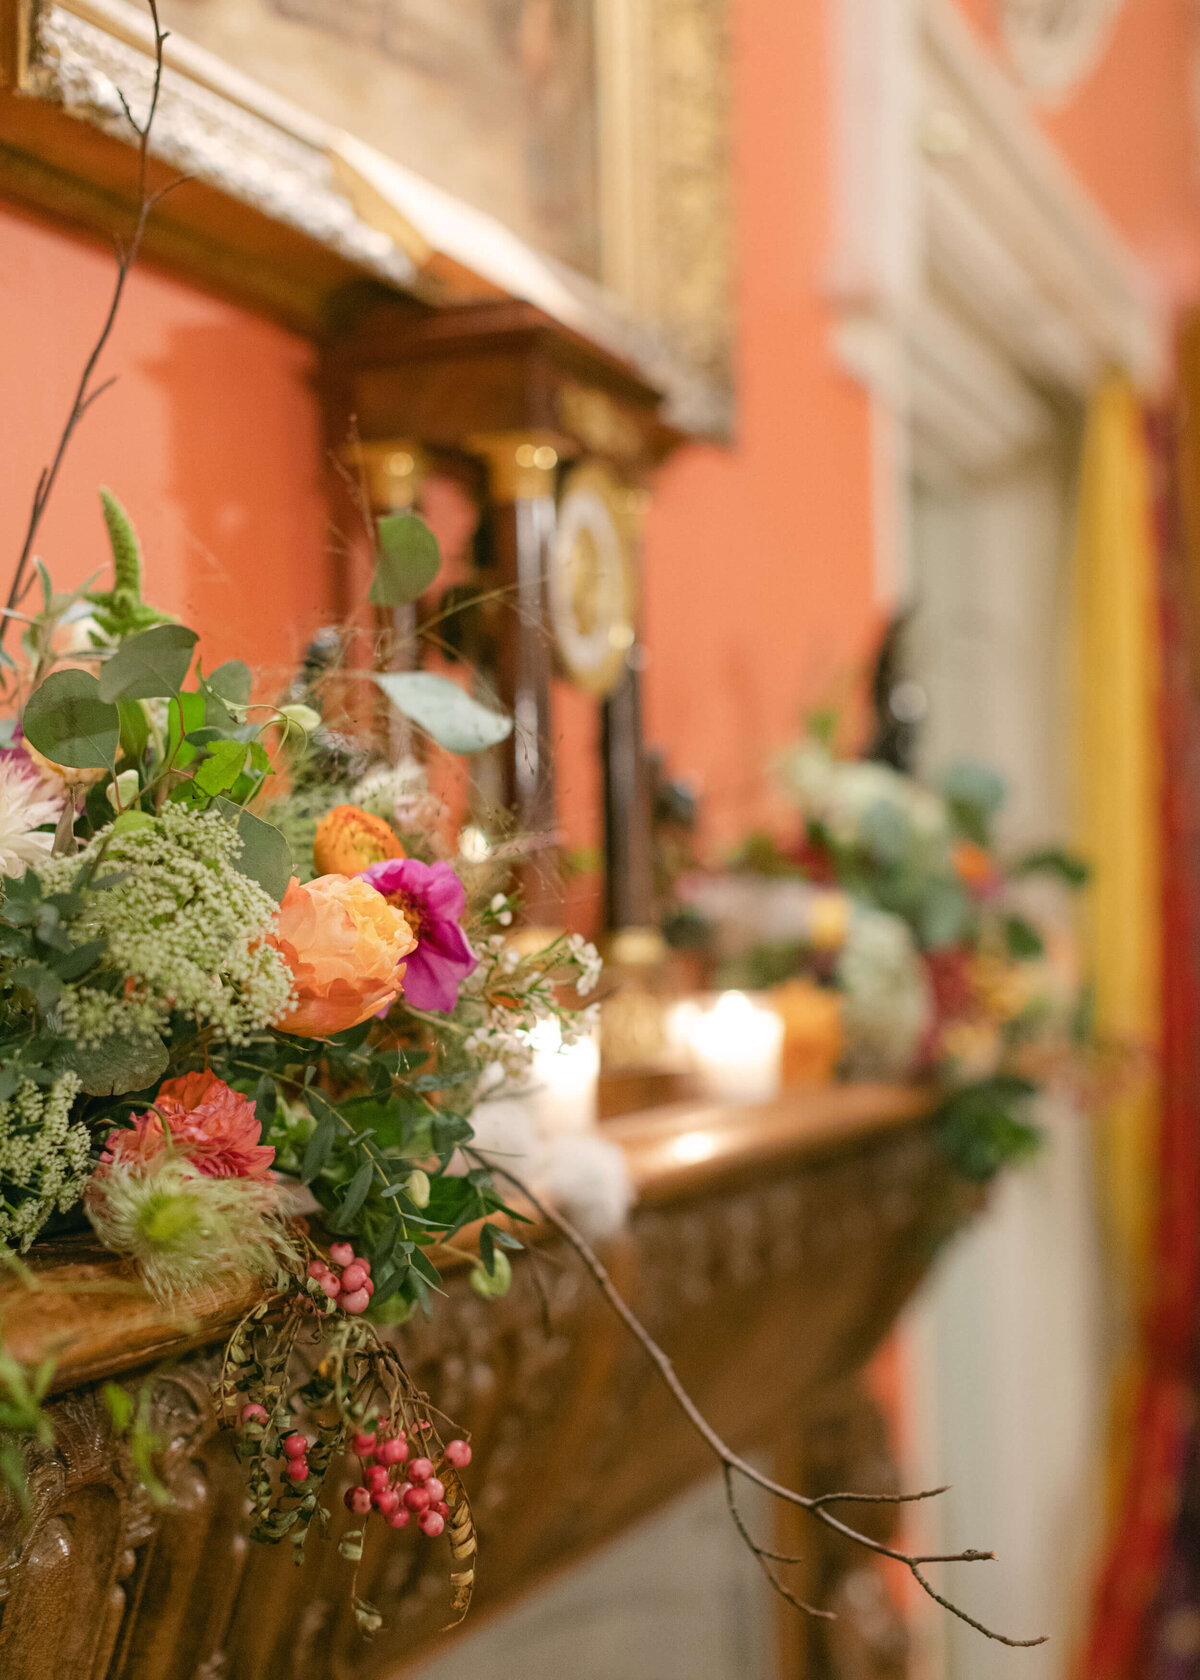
(770, 1251)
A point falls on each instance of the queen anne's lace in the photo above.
(184, 930)
(43, 1157)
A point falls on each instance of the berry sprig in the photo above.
(313, 1385)
(350, 1287)
(400, 1487)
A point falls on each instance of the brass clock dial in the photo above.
(590, 582)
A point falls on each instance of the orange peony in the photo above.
(344, 944)
(349, 839)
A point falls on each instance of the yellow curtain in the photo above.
(1116, 689)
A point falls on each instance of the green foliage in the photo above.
(407, 560)
(985, 1126)
(130, 1415)
(121, 611)
(266, 856)
(493, 1277)
(760, 854)
(152, 665)
(974, 794)
(444, 711)
(23, 1418)
(1061, 865)
(232, 682)
(762, 966)
(1023, 940)
(118, 1064)
(68, 720)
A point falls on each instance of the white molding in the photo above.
(977, 286)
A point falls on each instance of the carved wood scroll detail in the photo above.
(768, 1296)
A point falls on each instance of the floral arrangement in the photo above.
(193, 1020)
(896, 899)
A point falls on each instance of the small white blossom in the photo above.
(43, 1158)
(184, 930)
(887, 1003)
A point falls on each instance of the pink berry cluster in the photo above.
(350, 1287)
(400, 1487)
(295, 1445)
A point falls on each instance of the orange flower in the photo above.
(349, 839)
(974, 866)
(344, 944)
(210, 1124)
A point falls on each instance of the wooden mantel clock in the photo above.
(564, 437)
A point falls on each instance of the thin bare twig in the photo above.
(817, 1506)
(763, 1556)
(85, 394)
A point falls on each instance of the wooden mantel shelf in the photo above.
(688, 1147)
(95, 1321)
(771, 1248)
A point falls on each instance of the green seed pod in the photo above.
(498, 1282)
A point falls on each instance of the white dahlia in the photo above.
(28, 803)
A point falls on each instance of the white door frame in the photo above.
(979, 294)
(976, 285)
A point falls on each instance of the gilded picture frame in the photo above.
(285, 204)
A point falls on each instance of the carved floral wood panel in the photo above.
(768, 1292)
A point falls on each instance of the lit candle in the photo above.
(736, 1047)
(564, 1079)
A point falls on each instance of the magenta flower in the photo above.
(430, 896)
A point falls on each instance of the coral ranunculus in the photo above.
(345, 946)
(204, 1120)
(349, 839)
(432, 900)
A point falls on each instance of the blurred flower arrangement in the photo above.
(896, 901)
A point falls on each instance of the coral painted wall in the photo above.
(1130, 129)
(759, 593)
(760, 598)
(210, 438)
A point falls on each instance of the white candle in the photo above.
(564, 1079)
(737, 1048)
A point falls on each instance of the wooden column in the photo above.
(522, 472)
(392, 470)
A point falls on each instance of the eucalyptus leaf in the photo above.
(317, 1152)
(942, 915)
(151, 666)
(135, 729)
(407, 560)
(355, 1195)
(885, 831)
(117, 1065)
(444, 711)
(232, 681)
(67, 719)
(266, 856)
